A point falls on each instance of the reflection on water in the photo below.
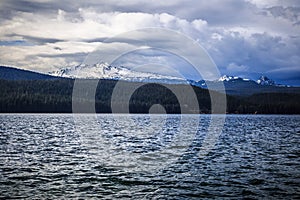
(148, 156)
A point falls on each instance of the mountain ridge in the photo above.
(12, 73)
(105, 71)
(233, 85)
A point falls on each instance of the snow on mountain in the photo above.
(106, 71)
(227, 78)
(231, 78)
(263, 80)
(200, 83)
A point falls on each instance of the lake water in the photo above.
(140, 156)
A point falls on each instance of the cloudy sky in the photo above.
(247, 38)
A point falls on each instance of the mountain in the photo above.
(106, 71)
(231, 78)
(10, 73)
(245, 87)
(233, 85)
(263, 80)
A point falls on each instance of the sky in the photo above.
(246, 38)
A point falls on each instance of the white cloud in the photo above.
(270, 3)
(235, 33)
(91, 26)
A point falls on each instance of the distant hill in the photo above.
(233, 85)
(246, 87)
(10, 73)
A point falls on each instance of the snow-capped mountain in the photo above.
(263, 80)
(231, 78)
(106, 71)
(233, 84)
(240, 86)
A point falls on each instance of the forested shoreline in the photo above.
(55, 96)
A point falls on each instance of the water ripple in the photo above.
(44, 156)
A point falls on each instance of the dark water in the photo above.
(56, 156)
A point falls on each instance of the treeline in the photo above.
(48, 96)
(271, 103)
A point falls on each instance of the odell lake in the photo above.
(123, 156)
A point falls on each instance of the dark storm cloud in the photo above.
(258, 54)
(290, 13)
(215, 12)
(8, 8)
(103, 39)
(36, 40)
(63, 55)
(14, 43)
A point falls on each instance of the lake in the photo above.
(149, 156)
